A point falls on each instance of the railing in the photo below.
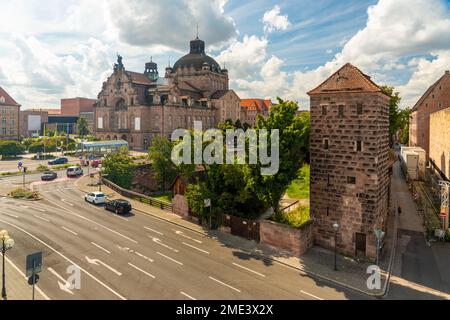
(290, 206)
(166, 206)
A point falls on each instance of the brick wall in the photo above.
(73, 107)
(294, 240)
(180, 206)
(440, 140)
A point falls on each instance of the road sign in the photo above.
(207, 203)
(379, 234)
(20, 164)
(34, 261)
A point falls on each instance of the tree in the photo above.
(119, 168)
(398, 118)
(82, 125)
(160, 154)
(11, 148)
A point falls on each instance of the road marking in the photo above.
(186, 295)
(64, 286)
(92, 221)
(157, 232)
(158, 241)
(64, 257)
(186, 244)
(142, 256)
(41, 218)
(41, 210)
(169, 258)
(98, 262)
(100, 247)
(115, 215)
(180, 233)
(227, 285)
(11, 215)
(311, 295)
(67, 202)
(68, 230)
(143, 271)
(242, 267)
(25, 207)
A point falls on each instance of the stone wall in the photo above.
(294, 240)
(180, 206)
(440, 140)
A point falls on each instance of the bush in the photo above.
(11, 148)
(21, 193)
(299, 188)
(295, 218)
(42, 168)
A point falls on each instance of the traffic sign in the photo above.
(207, 203)
(379, 234)
(20, 164)
(34, 263)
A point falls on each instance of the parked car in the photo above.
(119, 206)
(96, 162)
(49, 176)
(95, 197)
(61, 160)
(74, 171)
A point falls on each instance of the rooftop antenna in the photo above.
(169, 62)
(197, 31)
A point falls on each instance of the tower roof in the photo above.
(347, 79)
(196, 58)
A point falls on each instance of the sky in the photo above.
(272, 48)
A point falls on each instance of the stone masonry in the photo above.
(349, 161)
(440, 140)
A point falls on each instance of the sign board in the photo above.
(379, 234)
(19, 165)
(207, 203)
(35, 260)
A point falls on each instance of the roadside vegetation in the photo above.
(295, 218)
(299, 188)
(21, 193)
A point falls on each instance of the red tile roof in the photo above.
(430, 89)
(139, 78)
(347, 79)
(9, 101)
(256, 104)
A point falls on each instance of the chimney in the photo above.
(447, 72)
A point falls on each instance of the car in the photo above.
(61, 160)
(74, 171)
(119, 206)
(96, 162)
(95, 197)
(49, 176)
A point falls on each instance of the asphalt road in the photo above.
(141, 257)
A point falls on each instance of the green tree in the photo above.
(11, 148)
(160, 154)
(83, 127)
(398, 118)
(119, 168)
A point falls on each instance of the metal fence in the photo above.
(241, 227)
(166, 206)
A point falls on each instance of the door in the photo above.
(360, 245)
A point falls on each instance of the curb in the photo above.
(309, 273)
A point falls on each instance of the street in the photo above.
(139, 256)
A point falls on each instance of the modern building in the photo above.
(251, 108)
(136, 106)
(436, 98)
(440, 142)
(9, 113)
(349, 161)
(32, 121)
(75, 106)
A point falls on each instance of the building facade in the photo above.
(135, 107)
(9, 113)
(251, 108)
(436, 98)
(440, 141)
(75, 106)
(349, 161)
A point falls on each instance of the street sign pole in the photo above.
(34, 276)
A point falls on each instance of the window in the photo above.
(4, 120)
(358, 146)
(12, 122)
(328, 211)
(359, 108)
(324, 110)
(137, 124)
(351, 180)
(341, 111)
(326, 144)
(132, 101)
(100, 123)
(3, 130)
(328, 179)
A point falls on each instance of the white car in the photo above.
(95, 197)
(74, 171)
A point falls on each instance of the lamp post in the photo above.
(100, 174)
(336, 229)
(7, 243)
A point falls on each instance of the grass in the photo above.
(21, 193)
(295, 218)
(299, 188)
(165, 196)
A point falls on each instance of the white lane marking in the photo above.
(226, 285)
(143, 271)
(64, 286)
(92, 221)
(158, 241)
(100, 247)
(68, 230)
(41, 210)
(115, 215)
(169, 258)
(67, 259)
(99, 262)
(25, 207)
(242, 267)
(142, 256)
(186, 295)
(180, 233)
(25, 277)
(187, 244)
(311, 295)
(67, 202)
(36, 216)
(11, 215)
(157, 232)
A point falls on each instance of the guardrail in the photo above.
(166, 206)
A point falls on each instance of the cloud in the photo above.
(274, 21)
(171, 23)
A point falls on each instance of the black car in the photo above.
(118, 206)
(61, 160)
(49, 176)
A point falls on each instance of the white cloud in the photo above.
(274, 21)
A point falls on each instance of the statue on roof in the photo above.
(119, 64)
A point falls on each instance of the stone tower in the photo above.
(349, 161)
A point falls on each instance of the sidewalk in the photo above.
(17, 287)
(317, 262)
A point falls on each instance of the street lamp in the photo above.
(100, 174)
(7, 243)
(336, 229)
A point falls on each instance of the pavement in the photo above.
(11, 165)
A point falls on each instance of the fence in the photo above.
(241, 227)
(166, 206)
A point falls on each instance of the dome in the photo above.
(197, 58)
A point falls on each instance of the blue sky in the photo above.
(65, 48)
